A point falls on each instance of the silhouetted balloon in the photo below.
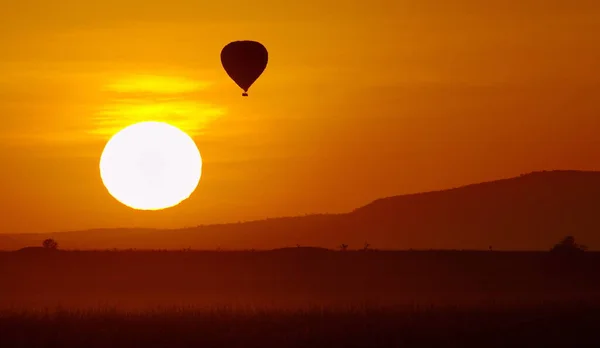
(244, 62)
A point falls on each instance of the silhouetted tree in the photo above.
(50, 244)
(366, 246)
(343, 247)
(568, 245)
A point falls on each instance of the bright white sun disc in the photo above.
(150, 166)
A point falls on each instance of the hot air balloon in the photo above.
(244, 62)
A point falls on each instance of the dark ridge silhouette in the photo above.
(529, 212)
(302, 250)
(36, 250)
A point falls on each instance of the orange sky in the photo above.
(361, 99)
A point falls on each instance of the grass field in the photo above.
(298, 298)
(543, 325)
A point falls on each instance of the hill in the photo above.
(529, 212)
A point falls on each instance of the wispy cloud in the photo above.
(156, 84)
(168, 99)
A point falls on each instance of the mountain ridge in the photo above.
(528, 212)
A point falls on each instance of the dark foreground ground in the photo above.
(538, 326)
(288, 278)
(300, 297)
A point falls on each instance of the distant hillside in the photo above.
(530, 212)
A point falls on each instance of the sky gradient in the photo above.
(360, 100)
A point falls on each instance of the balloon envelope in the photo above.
(244, 62)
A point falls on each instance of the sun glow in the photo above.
(156, 84)
(160, 98)
(150, 166)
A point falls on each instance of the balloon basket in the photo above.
(244, 94)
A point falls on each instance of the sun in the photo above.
(150, 166)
